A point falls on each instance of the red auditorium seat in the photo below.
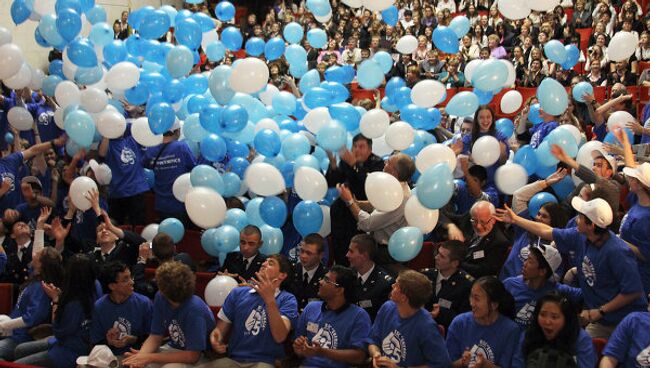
(215, 311)
(599, 346)
(643, 65)
(450, 93)
(585, 33)
(191, 244)
(6, 298)
(15, 365)
(527, 92)
(600, 93)
(424, 259)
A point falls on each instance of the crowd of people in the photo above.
(521, 280)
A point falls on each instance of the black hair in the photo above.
(108, 273)
(497, 293)
(541, 261)
(476, 128)
(359, 137)
(479, 172)
(558, 215)
(347, 279)
(597, 229)
(78, 285)
(456, 248)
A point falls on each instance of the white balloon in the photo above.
(20, 118)
(575, 132)
(66, 94)
(380, 147)
(486, 151)
(264, 179)
(419, 216)
(511, 101)
(622, 46)
(208, 38)
(37, 79)
(434, 154)
(78, 189)
(428, 93)
(399, 135)
(181, 187)
(149, 232)
(384, 191)
(316, 119)
(93, 100)
(122, 76)
(143, 134)
(373, 124)
(618, 119)
(326, 226)
(514, 9)
(110, 123)
(21, 79)
(5, 36)
(512, 74)
(11, 59)
(584, 157)
(266, 96)
(353, 3)
(310, 184)
(267, 123)
(543, 5)
(377, 5)
(407, 44)
(249, 75)
(205, 207)
(58, 118)
(218, 289)
(469, 68)
(510, 177)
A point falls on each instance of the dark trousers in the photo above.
(127, 210)
(344, 227)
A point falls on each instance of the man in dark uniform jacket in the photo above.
(487, 249)
(19, 253)
(115, 244)
(308, 272)
(352, 169)
(374, 283)
(451, 285)
(243, 265)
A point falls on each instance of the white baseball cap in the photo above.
(100, 357)
(597, 210)
(103, 173)
(641, 172)
(551, 255)
(600, 152)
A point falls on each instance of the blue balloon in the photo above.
(56, 68)
(390, 15)
(273, 240)
(415, 147)
(307, 161)
(293, 33)
(343, 75)
(538, 201)
(237, 148)
(274, 48)
(273, 211)
(332, 136)
(207, 176)
(435, 186)
(463, 104)
(564, 139)
(215, 51)
(284, 103)
(234, 119)
(161, 117)
(611, 139)
(317, 97)
(39, 38)
(267, 142)
(9, 138)
(580, 90)
(154, 25)
(172, 227)
(173, 91)
(388, 105)
(195, 83)
(295, 54)
(253, 212)
(401, 97)
(552, 97)
(215, 241)
(385, 61)
(490, 75)
(179, 61)
(460, 25)
(88, 76)
(405, 243)
(205, 22)
(533, 114)
(231, 184)
(137, 95)
(572, 56)
(415, 115)
(337, 91)
(308, 81)
(445, 39)
(255, 46)
(20, 11)
(48, 29)
(320, 8)
(307, 217)
(346, 114)
(544, 156)
(225, 11)
(96, 14)
(287, 170)
(213, 148)
(484, 97)
(80, 127)
(211, 117)
(370, 74)
(295, 146)
(564, 187)
(86, 5)
(68, 23)
(188, 33)
(317, 38)
(101, 34)
(393, 85)
(232, 38)
(237, 218)
(219, 84)
(505, 126)
(555, 51)
(82, 53)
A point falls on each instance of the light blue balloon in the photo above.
(402, 97)
(179, 61)
(220, 240)
(564, 187)
(210, 118)
(320, 8)
(80, 127)
(237, 218)
(393, 85)
(445, 39)
(231, 184)
(538, 201)
(533, 114)
(213, 148)
(332, 136)
(405, 243)
(171, 13)
(81, 52)
(274, 48)
(343, 75)
(306, 160)
(255, 46)
(234, 119)
(526, 157)
(86, 5)
(273, 211)
(219, 84)
(293, 33)
(490, 75)
(555, 51)
(114, 52)
(317, 97)
(172, 227)
(154, 25)
(572, 56)
(225, 11)
(317, 38)
(460, 25)
(284, 103)
(435, 186)
(390, 15)
(388, 105)
(580, 90)
(253, 212)
(385, 61)
(415, 115)
(101, 34)
(307, 217)
(347, 114)
(192, 129)
(564, 139)
(294, 146)
(196, 83)
(161, 117)
(611, 139)
(267, 142)
(505, 126)
(338, 92)
(308, 81)
(272, 239)
(188, 33)
(370, 74)
(137, 95)
(49, 84)
(205, 22)
(552, 96)
(484, 97)
(96, 14)
(544, 156)
(68, 24)
(215, 51)
(295, 54)
(463, 104)
(232, 38)
(207, 176)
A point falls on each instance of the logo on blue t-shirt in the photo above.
(256, 321)
(10, 176)
(643, 359)
(589, 271)
(123, 326)
(525, 313)
(394, 346)
(127, 156)
(523, 253)
(46, 117)
(176, 333)
(294, 254)
(326, 337)
(482, 348)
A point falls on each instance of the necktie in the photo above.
(21, 253)
(305, 278)
(360, 280)
(246, 263)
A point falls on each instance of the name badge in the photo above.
(444, 303)
(312, 299)
(478, 254)
(312, 327)
(365, 303)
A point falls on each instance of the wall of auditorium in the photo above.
(36, 55)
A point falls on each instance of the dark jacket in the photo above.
(486, 257)
(126, 250)
(374, 292)
(234, 263)
(305, 293)
(453, 297)
(355, 176)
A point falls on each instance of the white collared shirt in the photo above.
(365, 276)
(20, 248)
(310, 273)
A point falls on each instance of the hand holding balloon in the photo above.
(344, 192)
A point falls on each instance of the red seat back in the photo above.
(6, 297)
(424, 259)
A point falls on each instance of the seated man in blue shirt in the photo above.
(333, 332)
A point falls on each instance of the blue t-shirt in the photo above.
(10, 168)
(585, 355)
(409, 342)
(72, 335)
(188, 326)
(630, 342)
(526, 298)
(44, 116)
(518, 255)
(336, 330)
(28, 214)
(132, 317)
(635, 230)
(497, 342)
(605, 272)
(175, 160)
(251, 339)
(84, 224)
(33, 306)
(540, 131)
(124, 157)
(463, 200)
(467, 149)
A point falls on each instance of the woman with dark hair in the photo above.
(487, 335)
(555, 338)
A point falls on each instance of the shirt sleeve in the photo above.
(378, 219)
(289, 308)
(37, 309)
(359, 336)
(454, 344)
(195, 330)
(433, 346)
(566, 240)
(229, 306)
(585, 351)
(158, 320)
(625, 269)
(97, 330)
(620, 340)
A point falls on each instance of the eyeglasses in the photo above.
(327, 280)
(482, 223)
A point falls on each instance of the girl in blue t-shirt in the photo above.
(555, 330)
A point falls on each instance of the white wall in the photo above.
(36, 55)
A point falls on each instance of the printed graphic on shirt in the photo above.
(294, 254)
(523, 253)
(643, 359)
(256, 321)
(589, 271)
(123, 327)
(482, 348)
(176, 333)
(12, 179)
(45, 118)
(326, 337)
(127, 156)
(394, 346)
(525, 313)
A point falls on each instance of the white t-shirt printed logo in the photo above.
(123, 326)
(394, 346)
(176, 333)
(11, 177)
(46, 117)
(482, 348)
(127, 156)
(256, 321)
(326, 337)
(643, 359)
(589, 271)
(523, 253)
(525, 313)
